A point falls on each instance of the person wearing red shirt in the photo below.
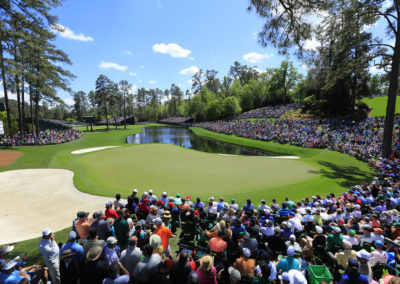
(110, 213)
(217, 244)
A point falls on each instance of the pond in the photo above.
(185, 138)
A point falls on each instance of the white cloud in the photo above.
(132, 74)
(153, 82)
(191, 58)
(190, 82)
(311, 44)
(189, 71)
(65, 32)
(259, 70)
(134, 88)
(387, 4)
(255, 57)
(113, 65)
(126, 52)
(367, 27)
(375, 70)
(172, 49)
(69, 101)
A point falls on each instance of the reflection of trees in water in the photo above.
(183, 137)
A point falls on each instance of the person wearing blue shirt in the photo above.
(199, 205)
(352, 275)
(248, 207)
(220, 204)
(75, 248)
(289, 262)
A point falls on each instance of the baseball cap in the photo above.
(352, 232)
(292, 237)
(234, 274)
(99, 213)
(9, 265)
(246, 252)
(82, 214)
(352, 263)
(108, 203)
(71, 235)
(363, 254)
(379, 243)
(135, 191)
(319, 229)
(164, 194)
(284, 276)
(111, 240)
(211, 198)
(178, 195)
(290, 251)
(46, 232)
(337, 230)
(157, 221)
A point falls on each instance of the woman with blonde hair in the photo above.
(207, 271)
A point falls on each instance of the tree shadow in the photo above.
(345, 176)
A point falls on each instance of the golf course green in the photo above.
(175, 169)
(378, 105)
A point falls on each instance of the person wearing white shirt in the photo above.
(261, 208)
(234, 205)
(267, 229)
(350, 237)
(50, 252)
(378, 255)
(294, 223)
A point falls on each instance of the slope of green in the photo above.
(378, 105)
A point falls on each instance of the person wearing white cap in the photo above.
(343, 257)
(292, 242)
(50, 252)
(110, 253)
(365, 268)
(152, 197)
(8, 273)
(164, 197)
(293, 276)
(288, 263)
(245, 264)
(75, 248)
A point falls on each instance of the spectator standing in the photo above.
(121, 228)
(50, 252)
(131, 256)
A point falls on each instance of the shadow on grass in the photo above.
(345, 176)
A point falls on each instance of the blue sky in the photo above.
(153, 43)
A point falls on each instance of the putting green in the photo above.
(174, 169)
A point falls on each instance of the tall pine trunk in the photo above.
(18, 105)
(23, 107)
(31, 107)
(105, 105)
(3, 75)
(124, 113)
(37, 112)
(392, 93)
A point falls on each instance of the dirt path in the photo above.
(8, 157)
(38, 198)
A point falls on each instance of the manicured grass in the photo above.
(336, 172)
(174, 169)
(378, 105)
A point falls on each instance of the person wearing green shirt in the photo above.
(121, 228)
(335, 239)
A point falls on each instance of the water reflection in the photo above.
(185, 138)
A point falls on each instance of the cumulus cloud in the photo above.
(66, 32)
(112, 65)
(311, 44)
(375, 70)
(172, 49)
(189, 71)
(69, 101)
(191, 58)
(255, 57)
(153, 82)
(133, 74)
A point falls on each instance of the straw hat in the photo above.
(166, 215)
(66, 254)
(94, 253)
(206, 263)
(110, 221)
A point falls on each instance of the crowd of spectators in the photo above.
(355, 236)
(176, 120)
(269, 112)
(46, 137)
(359, 139)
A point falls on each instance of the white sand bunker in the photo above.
(32, 200)
(271, 157)
(88, 150)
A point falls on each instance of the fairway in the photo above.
(378, 105)
(174, 169)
